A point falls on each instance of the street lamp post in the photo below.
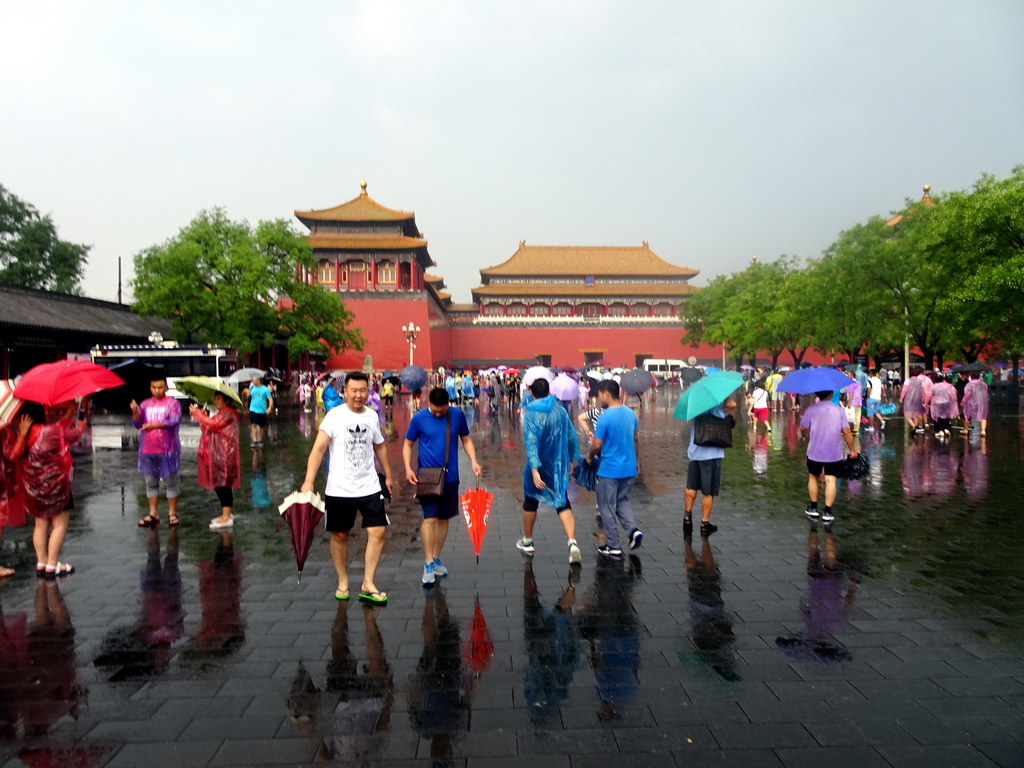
(411, 332)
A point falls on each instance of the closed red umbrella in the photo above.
(53, 383)
(478, 650)
(476, 508)
(302, 512)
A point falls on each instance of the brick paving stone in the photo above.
(774, 735)
(849, 734)
(732, 758)
(171, 755)
(1005, 754)
(937, 757)
(834, 757)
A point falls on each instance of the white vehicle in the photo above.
(176, 359)
(664, 369)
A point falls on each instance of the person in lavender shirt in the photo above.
(826, 425)
(158, 418)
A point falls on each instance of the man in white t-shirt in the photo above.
(874, 400)
(352, 432)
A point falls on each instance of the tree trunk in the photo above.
(775, 358)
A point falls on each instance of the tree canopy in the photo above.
(223, 282)
(31, 253)
(948, 273)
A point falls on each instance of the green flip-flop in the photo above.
(341, 594)
(374, 597)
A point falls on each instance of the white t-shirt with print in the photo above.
(874, 388)
(351, 473)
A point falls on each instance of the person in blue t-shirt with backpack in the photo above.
(615, 438)
(429, 427)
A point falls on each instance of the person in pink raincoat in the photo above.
(158, 418)
(219, 465)
(975, 403)
(915, 400)
(944, 407)
(44, 482)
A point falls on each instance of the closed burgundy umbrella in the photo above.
(302, 512)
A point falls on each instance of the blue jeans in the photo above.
(613, 499)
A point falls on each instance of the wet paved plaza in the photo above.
(896, 638)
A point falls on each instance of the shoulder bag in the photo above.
(431, 480)
(713, 431)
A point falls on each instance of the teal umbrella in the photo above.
(705, 394)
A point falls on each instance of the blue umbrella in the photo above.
(413, 377)
(711, 369)
(705, 394)
(585, 474)
(808, 380)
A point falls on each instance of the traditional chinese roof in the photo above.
(602, 290)
(586, 260)
(29, 308)
(926, 199)
(432, 278)
(362, 208)
(367, 242)
(464, 308)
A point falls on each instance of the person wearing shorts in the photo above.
(158, 418)
(429, 429)
(260, 404)
(352, 432)
(704, 474)
(826, 426)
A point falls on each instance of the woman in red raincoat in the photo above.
(12, 503)
(219, 464)
(44, 480)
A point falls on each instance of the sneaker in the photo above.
(609, 551)
(706, 529)
(869, 429)
(526, 545)
(439, 569)
(217, 525)
(826, 516)
(636, 538)
(428, 573)
(812, 512)
(574, 553)
(881, 425)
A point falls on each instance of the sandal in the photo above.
(687, 523)
(62, 569)
(374, 597)
(173, 521)
(40, 570)
(5, 572)
(149, 521)
(341, 594)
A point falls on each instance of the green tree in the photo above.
(31, 253)
(223, 282)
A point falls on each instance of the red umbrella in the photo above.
(478, 650)
(52, 383)
(302, 512)
(476, 507)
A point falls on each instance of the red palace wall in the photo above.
(381, 322)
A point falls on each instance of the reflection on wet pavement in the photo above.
(894, 637)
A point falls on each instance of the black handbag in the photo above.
(430, 480)
(713, 431)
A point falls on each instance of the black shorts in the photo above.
(818, 468)
(341, 512)
(531, 504)
(705, 476)
(259, 419)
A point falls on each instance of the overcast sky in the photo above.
(713, 130)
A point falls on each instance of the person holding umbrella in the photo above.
(432, 428)
(826, 427)
(218, 461)
(158, 419)
(12, 507)
(352, 431)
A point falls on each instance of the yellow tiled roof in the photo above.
(587, 260)
(432, 278)
(583, 291)
(463, 308)
(365, 242)
(362, 208)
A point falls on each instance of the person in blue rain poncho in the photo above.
(552, 447)
(453, 392)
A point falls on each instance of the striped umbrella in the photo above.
(9, 404)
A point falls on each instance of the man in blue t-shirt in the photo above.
(429, 427)
(615, 438)
(260, 404)
(704, 474)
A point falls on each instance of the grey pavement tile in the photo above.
(651, 760)
(578, 742)
(1005, 754)
(752, 735)
(731, 758)
(220, 706)
(663, 739)
(536, 761)
(818, 689)
(848, 734)
(264, 752)
(696, 713)
(632, 716)
(790, 711)
(967, 707)
(982, 686)
(141, 731)
(900, 689)
(211, 728)
(834, 757)
(937, 757)
(171, 755)
(953, 732)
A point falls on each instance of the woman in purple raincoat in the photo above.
(975, 402)
(943, 407)
(158, 418)
(914, 400)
